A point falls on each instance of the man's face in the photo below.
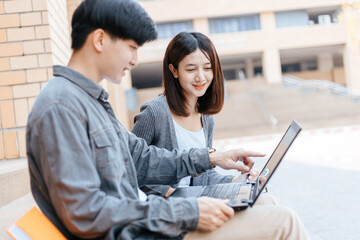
(118, 57)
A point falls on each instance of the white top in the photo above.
(142, 195)
(186, 140)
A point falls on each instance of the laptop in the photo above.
(245, 194)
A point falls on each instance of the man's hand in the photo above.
(213, 213)
(229, 159)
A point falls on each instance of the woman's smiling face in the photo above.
(195, 74)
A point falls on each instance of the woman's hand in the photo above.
(252, 175)
(169, 192)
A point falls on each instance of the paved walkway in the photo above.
(318, 178)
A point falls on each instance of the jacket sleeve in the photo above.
(214, 177)
(160, 166)
(144, 127)
(74, 186)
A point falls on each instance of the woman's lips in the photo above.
(199, 87)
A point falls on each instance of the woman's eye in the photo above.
(208, 68)
(190, 70)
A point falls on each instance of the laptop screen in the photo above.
(280, 151)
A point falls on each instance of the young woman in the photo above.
(181, 117)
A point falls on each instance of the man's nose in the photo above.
(133, 61)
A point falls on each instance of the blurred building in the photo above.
(317, 39)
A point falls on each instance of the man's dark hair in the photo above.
(179, 47)
(124, 19)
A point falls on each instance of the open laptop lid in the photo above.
(275, 159)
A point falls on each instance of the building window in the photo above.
(229, 74)
(291, 19)
(291, 67)
(258, 71)
(169, 30)
(323, 17)
(313, 16)
(234, 24)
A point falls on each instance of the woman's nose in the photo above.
(200, 76)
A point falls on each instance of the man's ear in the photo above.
(174, 71)
(98, 39)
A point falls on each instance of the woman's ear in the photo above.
(173, 71)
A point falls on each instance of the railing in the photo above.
(263, 109)
(317, 85)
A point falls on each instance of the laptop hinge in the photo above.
(255, 191)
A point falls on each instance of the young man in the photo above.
(85, 167)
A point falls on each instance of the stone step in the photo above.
(13, 211)
(14, 180)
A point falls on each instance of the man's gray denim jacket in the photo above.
(85, 167)
(155, 124)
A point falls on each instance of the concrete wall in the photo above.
(170, 10)
(71, 6)
(312, 75)
(143, 96)
(334, 75)
(339, 76)
(59, 32)
(117, 98)
(258, 41)
(28, 48)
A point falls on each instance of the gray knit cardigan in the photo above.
(154, 123)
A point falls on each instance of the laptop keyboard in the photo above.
(222, 191)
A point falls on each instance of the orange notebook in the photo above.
(34, 225)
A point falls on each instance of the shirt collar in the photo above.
(89, 86)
